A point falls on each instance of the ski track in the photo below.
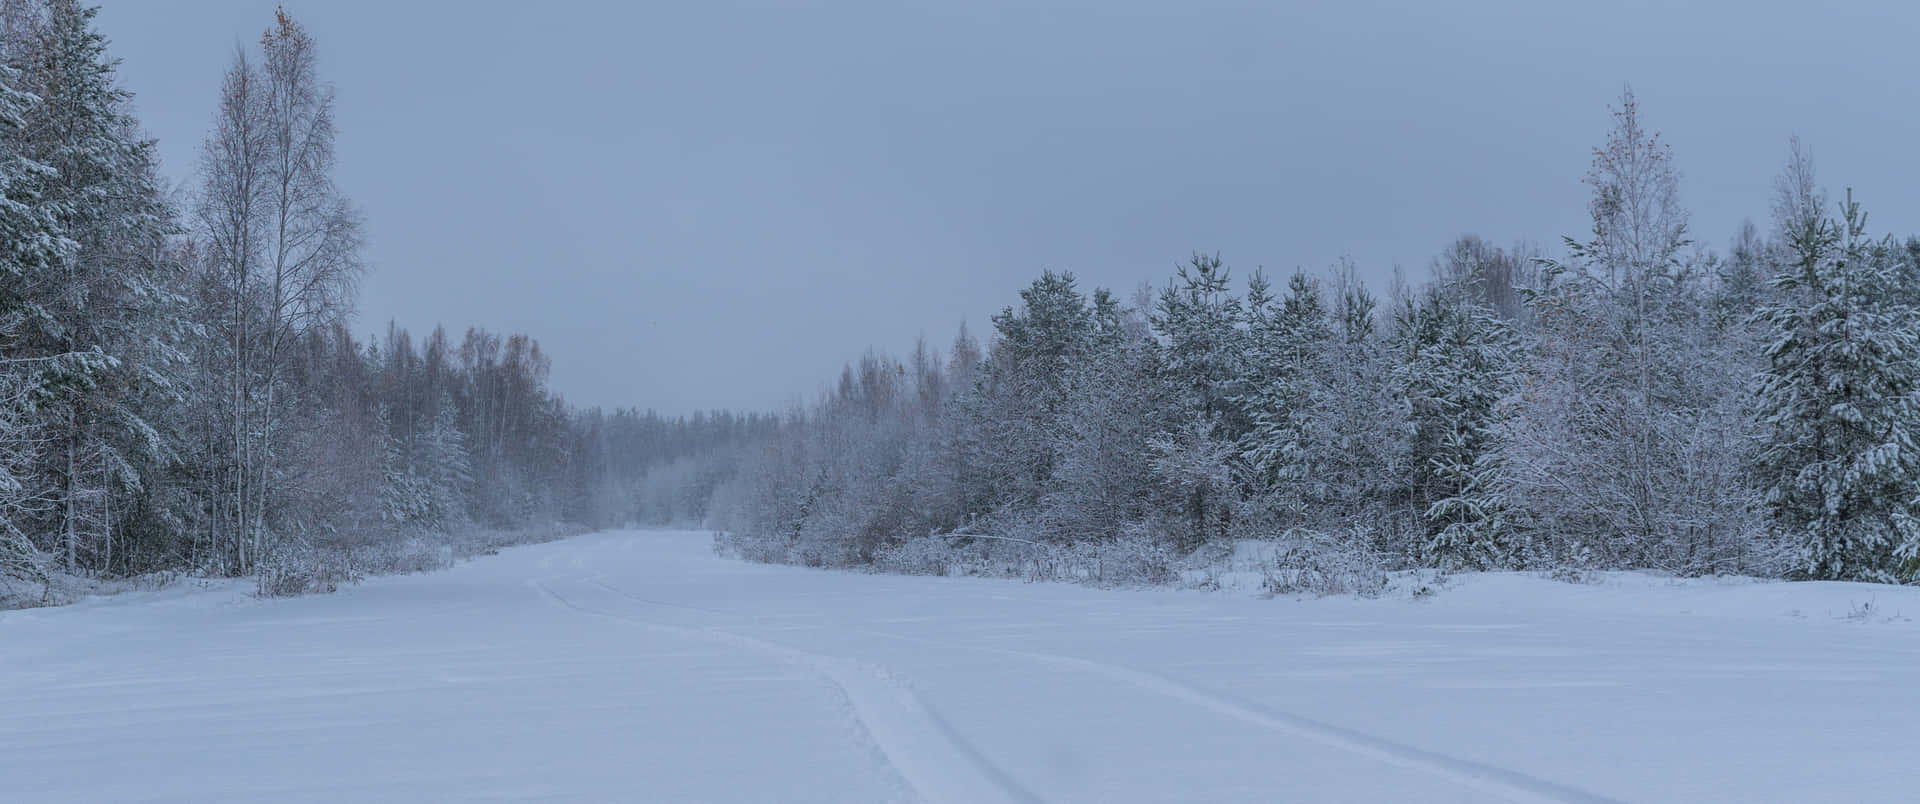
(1501, 782)
(937, 763)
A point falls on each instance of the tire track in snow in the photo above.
(936, 762)
(1507, 784)
(1501, 782)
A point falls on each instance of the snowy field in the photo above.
(640, 667)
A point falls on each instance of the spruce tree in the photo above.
(1203, 327)
(1361, 437)
(1289, 378)
(31, 243)
(1456, 369)
(443, 460)
(1838, 401)
(111, 304)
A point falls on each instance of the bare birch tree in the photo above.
(285, 243)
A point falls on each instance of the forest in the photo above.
(182, 389)
(180, 386)
(1632, 400)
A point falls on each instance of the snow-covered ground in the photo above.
(640, 667)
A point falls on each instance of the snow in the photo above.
(639, 666)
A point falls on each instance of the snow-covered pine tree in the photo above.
(31, 243)
(1115, 398)
(1360, 415)
(403, 500)
(1009, 438)
(1838, 400)
(1288, 380)
(1203, 328)
(946, 488)
(444, 466)
(1740, 283)
(114, 299)
(1456, 369)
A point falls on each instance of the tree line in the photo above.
(1635, 401)
(179, 384)
(180, 387)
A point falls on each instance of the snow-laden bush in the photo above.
(1135, 557)
(1320, 563)
(300, 569)
(933, 554)
(823, 541)
(21, 567)
(412, 554)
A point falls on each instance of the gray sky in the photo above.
(697, 205)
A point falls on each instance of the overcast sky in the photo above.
(700, 205)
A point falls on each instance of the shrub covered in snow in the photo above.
(1322, 563)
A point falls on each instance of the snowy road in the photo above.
(639, 667)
